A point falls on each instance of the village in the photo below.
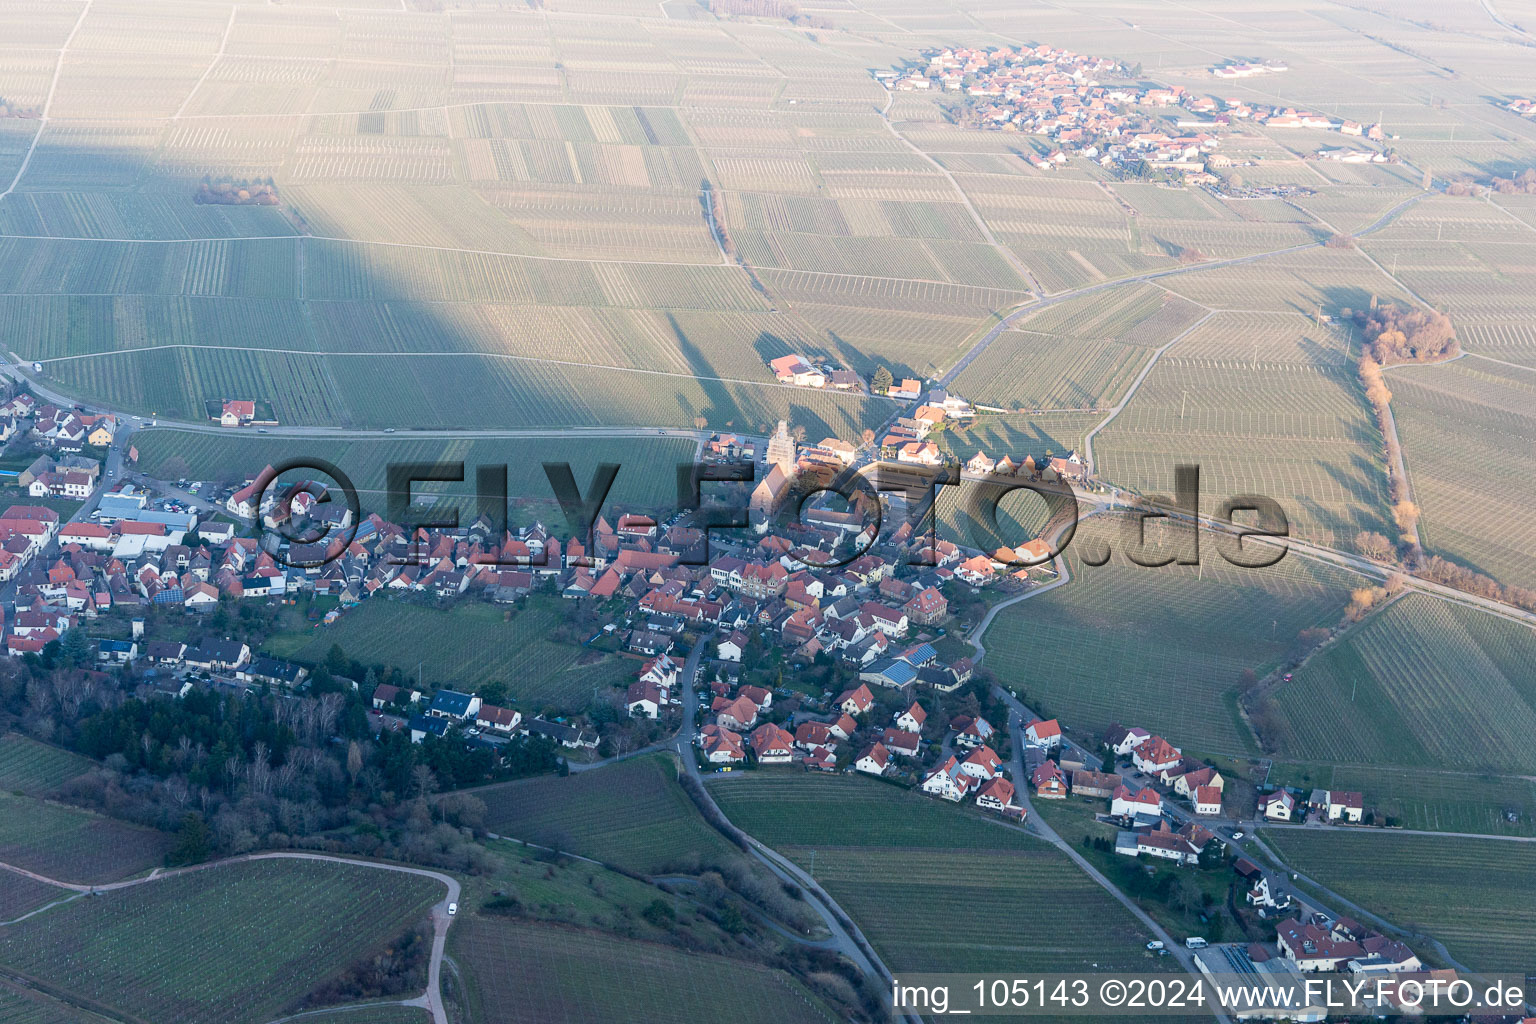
(1057, 94)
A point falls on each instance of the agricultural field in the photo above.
(1452, 419)
(890, 857)
(1448, 686)
(568, 976)
(1169, 644)
(72, 845)
(1262, 404)
(646, 477)
(1474, 895)
(242, 950)
(19, 1005)
(632, 814)
(21, 895)
(31, 767)
(465, 647)
(372, 1015)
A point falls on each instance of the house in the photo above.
(453, 704)
(795, 369)
(1122, 740)
(982, 763)
(199, 597)
(972, 732)
(734, 713)
(1278, 805)
(912, 719)
(997, 795)
(1048, 781)
(1207, 801)
(855, 701)
(1127, 804)
(1345, 806)
(874, 759)
(1160, 842)
(1045, 735)
(237, 413)
(820, 759)
(644, 698)
(1313, 948)
(498, 719)
(273, 671)
(422, 726)
(1095, 784)
(1185, 783)
(927, 607)
(843, 727)
(221, 656)
(771, 744)
(116, 652)
(733, 646)
(813, 735)
(901, 742)
(1154, 755)
(948, 781)
(721, 745)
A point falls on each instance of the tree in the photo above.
(882, 381)
(1185, 894)
(76, 648)
(193, 842)
(1373, 545)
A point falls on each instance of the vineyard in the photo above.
(21, 895)
(1447, 687)
(24, 1006)
(74, 845)
(31, 767)
(1427, 799)
(1455, 421)
(892, 859)
(187, 951)
(632, 814)
(466, 647)
(566, 976)
(1478, 896)
(1169, 644)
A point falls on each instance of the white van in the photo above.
(1195, 942)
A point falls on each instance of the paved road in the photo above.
(431, 1000)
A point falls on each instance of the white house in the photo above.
(982, 763)
(874, 760)
(949, 782)
(1045, 735)
(1278, 806)
(1345, 806)
(912, 719)
(1126, 804)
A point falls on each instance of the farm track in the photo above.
(431, 1000)
(53, 85)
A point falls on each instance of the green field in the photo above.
(892, 858)
(567, 976)
(1478, 896)
(73, 845)
(1425, 683)
(32, 767)
(237, 943)
(1159, 647)
(466, 646)
(632, 814)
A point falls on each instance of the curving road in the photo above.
(431, 1000)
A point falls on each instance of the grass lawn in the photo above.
(529, 973)
(1478, 896)
(32, 767)
(74, 845)
(465, 647)
(65, 507)
(237, 943)
(632, 814)
(934, 887)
